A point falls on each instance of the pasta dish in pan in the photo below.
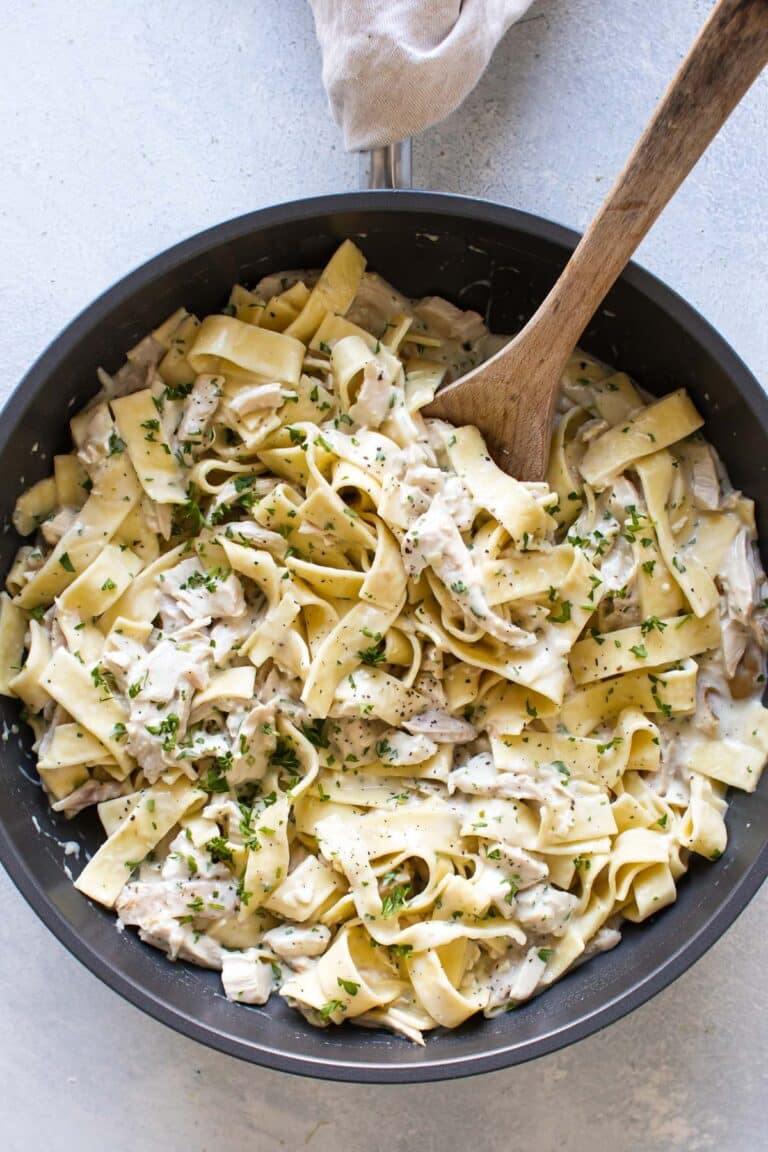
(367, 722)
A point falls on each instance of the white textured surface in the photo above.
(129, 126)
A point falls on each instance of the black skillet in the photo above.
(502, 263)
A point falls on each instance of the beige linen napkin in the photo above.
(393, 67)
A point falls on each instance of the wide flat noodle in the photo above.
(90, 703)
(631, 649)
(226, 345)
(160, 474)
(112, 497)
(647, 430)
(334, 291)
(656, 474)
(511, 502)
(155, 813)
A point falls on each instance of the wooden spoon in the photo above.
(511, 397)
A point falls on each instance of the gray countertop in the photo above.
(127, 127)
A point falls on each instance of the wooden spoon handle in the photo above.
(728, 55)
(512, 395)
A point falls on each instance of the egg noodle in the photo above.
(368, 722)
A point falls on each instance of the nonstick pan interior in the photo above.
(500, 262)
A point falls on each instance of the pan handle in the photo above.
(387, 167)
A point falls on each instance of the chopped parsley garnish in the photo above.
(312, 730)
(514, 887)
(168, 728)
(395, 899)
(284, 755)
(177, 392)
(374, 654)
(349, 986)
(187, 517)
(103, 678)
(664, 708)
(214, 780)
(331, 1007)
(651, 623)
(564, 614)
(614, 743)
(219, 850)
(207, 580)
(223, 762)
(66, 563)
(383, 749)
(136, 687)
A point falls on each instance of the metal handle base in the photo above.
(387, 167)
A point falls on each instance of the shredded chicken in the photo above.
(199, 409)
(54, 528)
(705, 482)
(401, 749)
(256, 741)
(442, 727)
(92, 437)
(376, 304)
(200, 594)
(739, 578)
(145, 902)
(183, 942)
(515, 979)
(373, 400)
(88, 794)
(442, 318)
(247, 976)
(433, 540)
(544, 909)
(258, 398)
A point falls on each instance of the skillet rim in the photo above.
(378, 1071)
